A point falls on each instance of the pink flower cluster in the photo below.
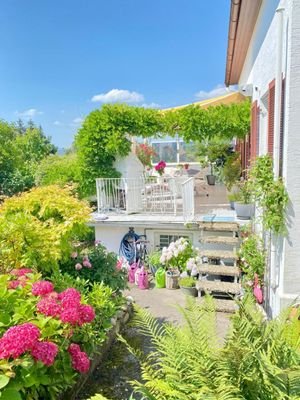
(66, 305)
(80, 360)
(19, 339)
(41, 288)
(160, 167)
(45, 352)
(85, 262)
(21, 275)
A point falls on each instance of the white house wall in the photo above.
(259, 70)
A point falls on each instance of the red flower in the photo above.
(86, 313)
(70, 315)
(80, 360)
(49, 307)
(45, 352)
(21, 272)
(18, 339)
(42, 288)
(70, 297)
(14, 284)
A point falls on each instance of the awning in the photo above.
(230, 98)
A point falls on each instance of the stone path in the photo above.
(162, 304)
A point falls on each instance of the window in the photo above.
(165, 238)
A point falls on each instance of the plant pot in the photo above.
(232, 205)
(211, 179)
(172, 279)
(244, 211)
(189, 291)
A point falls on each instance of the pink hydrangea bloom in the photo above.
(42, 288)
(45, 352)
(70, 315)
(21, 272)
(80, 360)
(87, 264)
(18, 339)
(13, 284)
(70, 298)
(74, 348)
(78, 267)
(74, 254)
(86, 313)
(49, 307)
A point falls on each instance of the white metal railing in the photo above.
(162, 195)
(188, 199)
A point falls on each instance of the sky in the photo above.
(61, 59)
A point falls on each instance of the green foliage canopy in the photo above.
(21, 149)
(58, 169)
(105, 135)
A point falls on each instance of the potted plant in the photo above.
(188, 286)
(232, 198)
(175, 258)
(243, 204)
(153, 260)
(213, 153)
(160, 169)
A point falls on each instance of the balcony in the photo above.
(151, 195)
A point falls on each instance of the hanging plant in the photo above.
(270, 194)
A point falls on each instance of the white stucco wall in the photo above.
(111, 235)
(259, 70)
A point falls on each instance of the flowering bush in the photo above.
(95, 264)
(177, 254)
(37, 327)
(193, 265)
(160, 167)
(144, 153)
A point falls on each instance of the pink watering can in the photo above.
(143, 279)
(257, 290)
(131, 272)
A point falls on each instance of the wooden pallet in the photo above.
(222, 270)
(219, 287)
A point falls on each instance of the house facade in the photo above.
(263, 59)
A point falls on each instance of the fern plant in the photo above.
(259, 360)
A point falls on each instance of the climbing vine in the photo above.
(270, 194)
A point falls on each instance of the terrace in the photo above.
(180, 198)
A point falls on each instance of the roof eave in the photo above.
(243, 17)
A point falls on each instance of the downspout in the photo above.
(278, 90)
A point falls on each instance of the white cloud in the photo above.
(57, 123)
(30, 113)
(118, 95)
(219, 90)
(151, 105)
(77, 120)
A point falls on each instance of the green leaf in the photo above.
(3, 381)
(10, 394)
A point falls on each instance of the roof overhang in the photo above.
(243, 16)
(230, 98)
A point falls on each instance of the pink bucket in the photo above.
(131, 272)
(143, 282)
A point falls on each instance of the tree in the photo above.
(58, 169)
(21, 151)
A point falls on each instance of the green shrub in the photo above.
(187, 282)
(252, 256)
(58, 169)
(95, 265)
(37, 227)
